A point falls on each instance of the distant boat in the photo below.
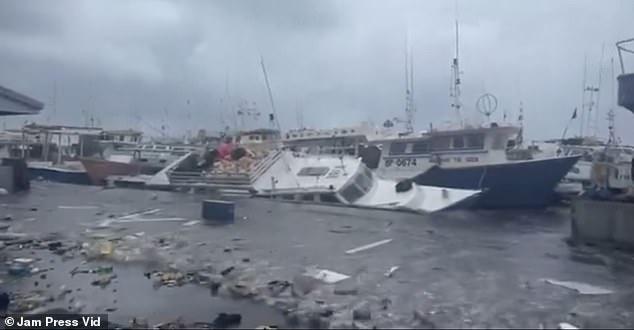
(69, 172)
(144, 159)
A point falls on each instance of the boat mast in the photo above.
(455, 88)
(611, 114)
(268, 88)
(583, 96)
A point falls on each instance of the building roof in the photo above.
(18, 104)
(260, 131)
(123, 132)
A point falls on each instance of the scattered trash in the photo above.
(12, 236)
(341, 230)
(18, 269)
(5, 300)
(566, 326)
(139, 323)
(362, 313)
(224, 320)
(7, 217)
(191, 223)
(54, 246)
(97, 270)
(33, 209)
(391, 271)
(423, 321)
(103, 281)
(582, 288)
(148, 220)
(3, 192)
(347, 291)
(139, 213)
(227, 271)
(25, 261)
(326, 276)
(368, 246)
(267, 327)
(105, 248)
(154, 197)
(77, 207)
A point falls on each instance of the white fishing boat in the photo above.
(346, 180)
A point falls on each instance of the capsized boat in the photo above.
(346, 180)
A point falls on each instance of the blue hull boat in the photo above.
(516, 184)
(62, 175)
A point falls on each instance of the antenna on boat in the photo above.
(583, 94)
(596, 115)
(409, 88)
(611, 114)
(455, 87)
(520, 135)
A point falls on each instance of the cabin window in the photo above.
(351, 193)
(344, 131)
(458, 142)
(121, 137)
(441, 142)
(264, 137)
(308, 197)
(162, 161)
(475, 141)
(313, 171)
(397, 148)
(471, 159)
(499, 142)
(351, 131)
(420, 147)
(364, 182)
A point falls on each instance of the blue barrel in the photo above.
(221, 211)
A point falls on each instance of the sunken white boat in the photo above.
(346, 180)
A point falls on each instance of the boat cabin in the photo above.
(122, 136)
(409, 156)
(331, 179)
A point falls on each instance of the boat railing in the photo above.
(238, 178)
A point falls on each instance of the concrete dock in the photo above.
(603, 222)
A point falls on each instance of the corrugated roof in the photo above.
(21, 98)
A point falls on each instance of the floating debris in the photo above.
(139, 213)
(191, 223)
(148, 220)
(368, 246)
(326, 276)
(77, 207)
(566, 326)
(391, 271)
(582, 288)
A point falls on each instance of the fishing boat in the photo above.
(475, 158)
(142, 159)
(346, 180)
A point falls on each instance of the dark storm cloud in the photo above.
(184, 64)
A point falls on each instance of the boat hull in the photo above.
(521, 184)
(98, 169)
(60, 175)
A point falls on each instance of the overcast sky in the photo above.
(187, 63)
